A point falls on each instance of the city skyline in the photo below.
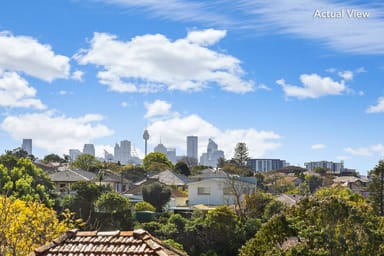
(293, 82)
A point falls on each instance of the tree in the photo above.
(376, 188)
(182, 168)
(53, 158)
(112, 202)
(20, 178)
(241, 154)
(255, 204)
(27, 225)
(157, 194)
(156, 161)
(144, 206)
(86, 162)
(313, 183)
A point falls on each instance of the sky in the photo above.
(295, 80)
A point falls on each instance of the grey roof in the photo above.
(72, 176)
(170, 178)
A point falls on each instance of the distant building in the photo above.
(122, 152)
(89, 149)
(331, 166)
(264, 165)
(212, 156)
(73, 154)
(169, 152)
(27, 146)
(192, 147)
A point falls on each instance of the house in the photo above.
(171, 178)
(356, 184)
(289, 199)
(64, 179)
(219, 190)
(117, 243)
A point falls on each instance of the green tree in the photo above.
(20, 178)
(313, 182)
(86, 162)
(53, 158)
(376, 188)
(156, 161)
(144, 206)
(182, 168)
(255, 204)
(134, 172)
(157, 194)
(26, 225)
(241, 155)
(112, 202)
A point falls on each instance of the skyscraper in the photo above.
(27, 146)
(89, 149)
(192, 145)
(123, 152)
(212, 156)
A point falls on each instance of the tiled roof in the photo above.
(111, 243)
(72, 175)
(170, 178)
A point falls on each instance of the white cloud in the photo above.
(157, 108)
(317, 146)
(296, 18)
(372, 150)
(263, 87)
(150, 63)
(314, 86)
(379, 107)
(77, 75)
(173, 131)
(27, 55)
(124, 104)
(346, 75)
(56, 133)
(16, 92)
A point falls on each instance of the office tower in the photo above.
(212, 156)
(122, 152)
(331, 166)
(192, 147)
(89, 149)
(73, 154)
(27, 146)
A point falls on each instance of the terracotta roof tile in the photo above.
(109, 243)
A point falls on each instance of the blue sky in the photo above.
(295, 80)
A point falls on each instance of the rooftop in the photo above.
(117, 243)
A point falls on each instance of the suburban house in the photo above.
(289, 199)
(117, 243)
(356, 184)
(171, 178)
(215, 187)
(64, 179)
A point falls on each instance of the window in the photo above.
(203, 190)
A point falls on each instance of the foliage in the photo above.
(272, 208)
(112, 202)
(328, 223)
(313, 182)
(134, 172)
(53, 158)
(86, 162)
(144, 206)
(233, 168)
(182, 168)
(241, 154)
(157, 194)
(156, 161)
(376, 188)
(26, 225)
(20, 178)
(255, 204)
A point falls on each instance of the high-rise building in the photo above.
(122, 152)
(27, 146)
(89, 149)
(331, 166)
(169, 152)
(73, 154)
(192, 147)
(264, 165)
(212, 156)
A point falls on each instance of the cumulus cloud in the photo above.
(27, 55)
(151, 63)
(314, 86)
(77, 75)
(56, 133)
(173, 131)
(378, 108)
(16, 92)
(317, 146)
(157, 108)
(372, 150)
(346, 74)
